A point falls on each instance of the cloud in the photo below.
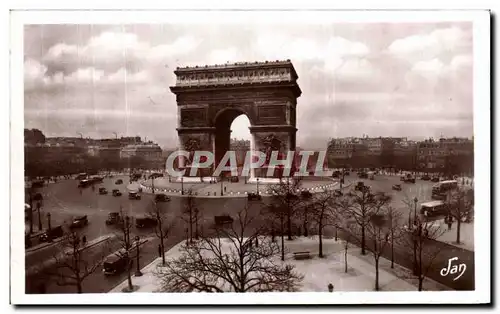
(34, 73)
(431, 45)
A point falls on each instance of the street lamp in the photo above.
(221, 185)
(415, 200)
(182, 184)
(38, 206)
(138, 272)
(257, 186)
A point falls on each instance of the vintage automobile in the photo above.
(425, 177)
(359, 186)
(254, 196)
(53, 233)
(103, 191)
(435, 179)
(162, 198)
(114, 219)
(115, 263)
(235, 179)
(397, 187)
(145, 222)
(119, 181)
(223, 220)
(117, 192)
(134, 196)
(79, 222)
(306, 194)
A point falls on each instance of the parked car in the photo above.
(119, 181)
(435, 179)
(425, 177)
(114, 219)
(363, 175)
(145, 222)
(254, 196)
(53, 233)
(79, 222)
(162, 198)
(115, 263)
(223, 220)
(235, 179)
(396, 187)
(306, 194)
(117, 192)
(359, 186)
(103, 191)
(134, 196)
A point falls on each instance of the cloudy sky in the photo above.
(396, 79)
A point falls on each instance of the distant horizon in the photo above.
(175, 146)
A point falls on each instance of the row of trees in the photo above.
(244, 255)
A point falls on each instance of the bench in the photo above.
(302, 255)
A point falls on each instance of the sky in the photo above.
(384, 79)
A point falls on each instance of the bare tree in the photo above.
(460, 207)
(73, 264)
(163, 226)
(287, 194)
(276, 212)
(126, 248)
(191, 215)
(421, 237)
(323, 206)
(394, 224)
(230, 261)
(378, 234)
(346, 226)
(360, 205)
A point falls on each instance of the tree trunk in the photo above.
(363, 252)
(392, 249)
(79, 286)
(345, 256)
(376, 274)
(282, 240)
(191, 226)
(289, 223)
(320, 234)
(459, 222)
(306, 232)
(129, 276)
(420, 283)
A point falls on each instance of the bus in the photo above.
(433, 208)
(440, 189)
(81, 176)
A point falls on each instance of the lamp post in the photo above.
(182, 184)
(138, 272)
(221, 185)
(257, 186)
(49, 235)
(415, 234)
(38, 206)
(415, 200)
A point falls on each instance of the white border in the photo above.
(481, 22)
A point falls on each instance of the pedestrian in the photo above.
(84, 239)
(450, 223)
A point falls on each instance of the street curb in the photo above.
(33, 269)
(42, 246)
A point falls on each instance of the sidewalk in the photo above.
(318, 272)
(466, 235)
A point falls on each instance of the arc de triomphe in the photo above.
(210, 97)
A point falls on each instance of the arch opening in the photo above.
(231, 124)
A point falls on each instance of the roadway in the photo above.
(64, 201)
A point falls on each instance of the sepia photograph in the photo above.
(312, 157)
